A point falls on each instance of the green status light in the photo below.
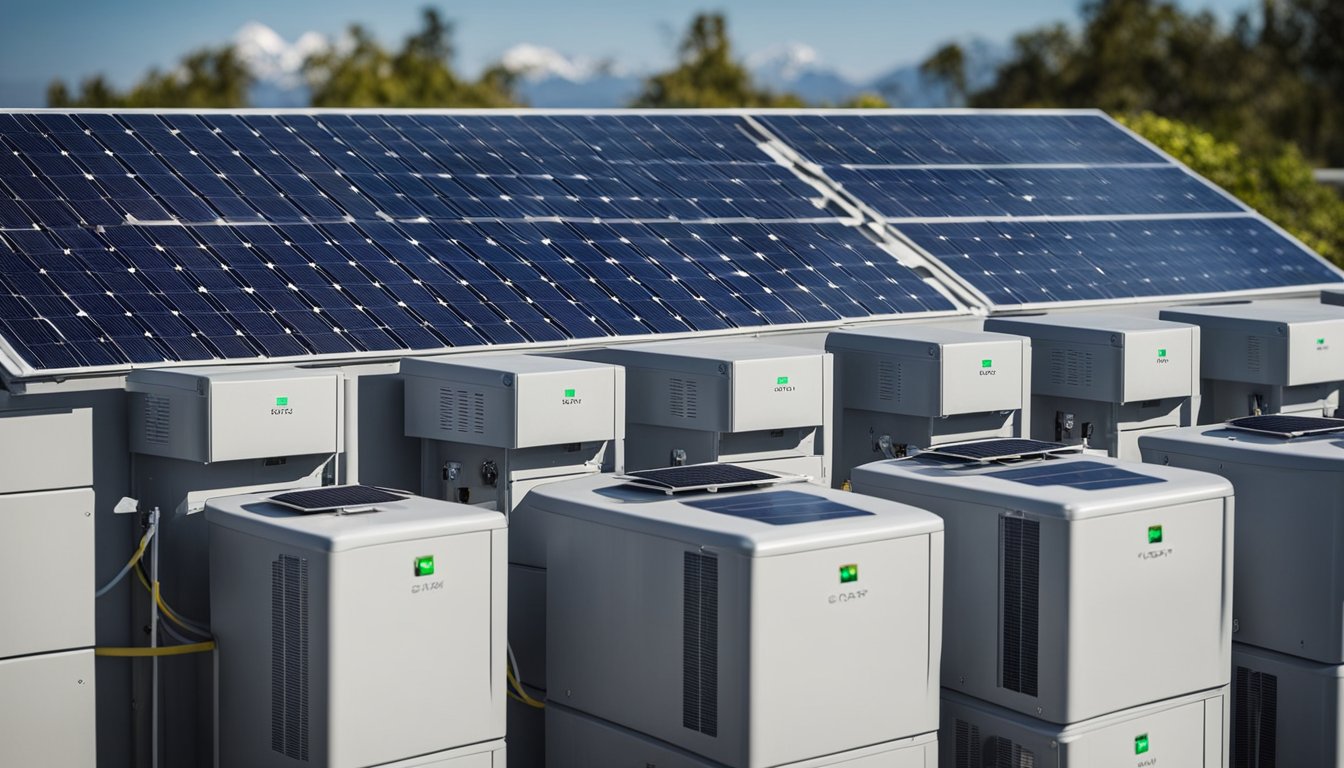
(1154, 534)
(782, 380)
(1141, 744)
(849, 573)
(282, 401)
(986, 363)
(424, 565)
(1161, 353)
(1320, 342)
(569, 393)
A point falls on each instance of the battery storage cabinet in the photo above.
(1104, 380)
(1267, 357)
(1289, 581)
(372, 635)
(1077, 586)
(781, 626)
(905, 387)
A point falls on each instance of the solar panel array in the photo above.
(152, 238)
(1034, 209)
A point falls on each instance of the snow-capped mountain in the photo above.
(905, 86)
(549, 78)
(276, 63)
(796, 68)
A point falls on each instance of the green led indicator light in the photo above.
(986, 363)
(849, 573)
(1141, 744)
(1154, 534)
(1161, 353)
(282, 401)
(424, 566)
(1320, 342)
(569, 393)
(782, 380)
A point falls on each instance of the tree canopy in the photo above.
(207, 78)
(707, 75)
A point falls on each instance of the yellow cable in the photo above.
(163, 605)
(521, 694)
(163, 650)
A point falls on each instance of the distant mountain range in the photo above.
(550, 78)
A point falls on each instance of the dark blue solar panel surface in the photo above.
(333, 234)
(1029, 262)
(897, 193)
(1083, 475)
(958, 139)
(778, 507)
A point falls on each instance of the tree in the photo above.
(1278, 184)
(707, 75)
(204, 79)
(947, 66)
(362, 73)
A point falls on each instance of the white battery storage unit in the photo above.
(787, 625)
(367, 633)
(1076, 585)
(741, 401)
(493, 427)
(1289, 594)
(47, 700)
(1102, 380)
(904, 387)
(1285, 710)
(1187, 731)
(1267, 357)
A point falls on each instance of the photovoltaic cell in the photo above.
(1083, 475)
(779, 507)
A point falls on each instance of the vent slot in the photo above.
(289, 657)
(158, 418)
(461, 411)
(1071, 368)
(1006, 753)
(889, 380)
(1255, 710)
(700, 643)
(1255, 353)
(967, 748)
(1019, 617)
(683, 398)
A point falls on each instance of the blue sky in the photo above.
(70, 39)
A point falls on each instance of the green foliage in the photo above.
(866, 100)
(1277, 183)
(947, 65)
(207, 78)
(707, 75)
(362, 73)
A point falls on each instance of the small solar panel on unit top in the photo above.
(780, 507)
(1287, 426)
(1083, 475)
(335, 497)
(1000, 449)
(702, 477)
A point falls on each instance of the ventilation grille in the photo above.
(889, 380)
(1254, 719)
(461, 411)
(967, 748)
(289, 657)
(683, 399)
(1071, 368)
(700, 644)
(158, 418)
(1005, 753)
(1020, 559)
(1254, 353)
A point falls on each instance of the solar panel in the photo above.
(999, 449)
(1287, 426)
(335, 497)
(1083, 475)
(779, 507)
(1038, 209)
(698, 477)
(159, 238)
